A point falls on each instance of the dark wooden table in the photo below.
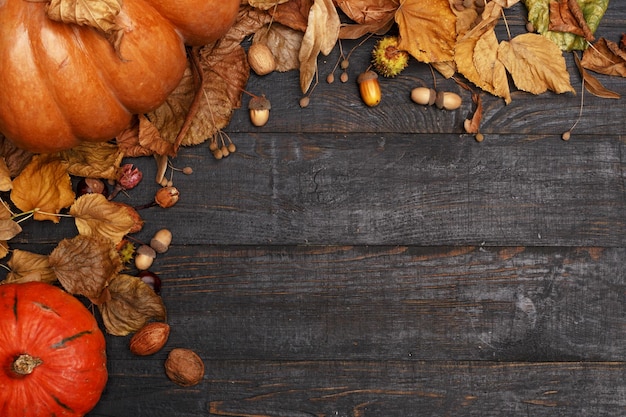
(351, 261)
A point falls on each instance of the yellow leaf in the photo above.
(28, 266)
(427, 29)
(476, 59)
(536, 64)
(93, 159)
(95, 215)
(99, 14)
(43, 186)
(320, 37)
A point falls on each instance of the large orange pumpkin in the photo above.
(62, 84)
(52, 353)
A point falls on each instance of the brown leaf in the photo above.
(44, 186)
(28, 266)
(567, 16)
(476, 58)
(132, 304)
(15, 158)
(94, 160)
(128, 141)
(427, 29)
(293, 14)
(472, 124)
(320, 37)
(9, 229)
(85, 264)
(101, 15)
(592, 84)
(371, 16)
(535, 63)
(605, 57)
(94, 215)
(284, 43)
(150, 138)
(5, 176)
(265, 4)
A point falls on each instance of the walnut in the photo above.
(184, 367)
(150, 338)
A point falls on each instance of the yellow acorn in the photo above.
(369, 88)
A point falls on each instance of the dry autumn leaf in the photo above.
(293, 14)
(371, 16)
(28, 266)
(477, 59)
(427, 29)
(85, 264)
(592, 84)
(94, 160)
(95, 215)
(132, 304)
(9, 229)
(5, 176)
(105, 16)
(265, 4)
(320, 37)
(535, 63)
(605, 57)
(284, 43)
(43, 186)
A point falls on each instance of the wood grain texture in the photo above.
(364, 262)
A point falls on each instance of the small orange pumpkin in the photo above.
(52, 353)
(62, 84)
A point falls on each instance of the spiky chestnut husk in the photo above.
(387, 59)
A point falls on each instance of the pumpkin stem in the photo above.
(25, 364)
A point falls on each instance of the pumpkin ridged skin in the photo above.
(63, 84)
(45, 322)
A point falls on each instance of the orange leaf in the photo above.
(427, 29)
(44, 186)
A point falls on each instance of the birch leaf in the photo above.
(535, 63)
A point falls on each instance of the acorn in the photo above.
(387, 59)
(259, 107)
(369, 87)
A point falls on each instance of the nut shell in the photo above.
(261, 59)
(184, 367)
(149, 339)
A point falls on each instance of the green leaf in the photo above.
(539, 16)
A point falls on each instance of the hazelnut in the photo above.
(261, 59)
(161, 240)
(150, 338)
(184, 367)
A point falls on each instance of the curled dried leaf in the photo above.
(132, 304)
(28, 266)
(93, 160)
(85, 264)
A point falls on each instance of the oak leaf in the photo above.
(427, 29)
(44, 186)
(535, 63)
(132, 304)
(95, 215)
(85, 264)
(320, 37)
(28, 266)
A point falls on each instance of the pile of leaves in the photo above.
(456, 37)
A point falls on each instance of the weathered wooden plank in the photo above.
(347, 388)
(392, 189)
(391, 303)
